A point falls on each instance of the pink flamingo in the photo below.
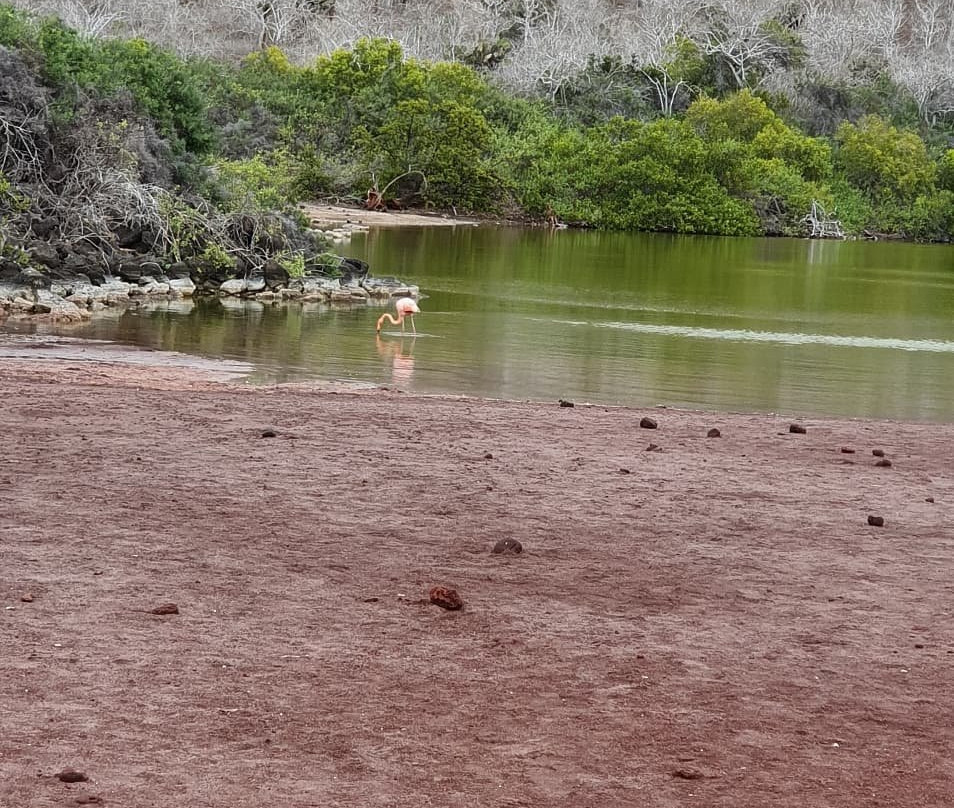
(406, 307)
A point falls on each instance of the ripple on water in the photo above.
(780, 337)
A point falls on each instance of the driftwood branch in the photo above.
(820, 224)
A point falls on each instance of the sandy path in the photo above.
(323, 215)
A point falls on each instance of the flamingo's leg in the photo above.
(413, 327)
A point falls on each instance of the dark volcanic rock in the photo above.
(508, 547)
(70, 775)
(275, 274)
(44, 253)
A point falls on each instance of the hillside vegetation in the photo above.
(721, 117)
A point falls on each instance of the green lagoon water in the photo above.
(775, 325)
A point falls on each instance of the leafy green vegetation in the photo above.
(671, 146)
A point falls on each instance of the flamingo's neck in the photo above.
(387, 316)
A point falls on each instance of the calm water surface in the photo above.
(790, 326)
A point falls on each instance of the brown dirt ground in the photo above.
(717, 625)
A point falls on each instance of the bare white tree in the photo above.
(647, 37)
(736, 31)
(930, 80)
(923, 62)
(427, 30)
(932, 24)
(92, 18)
(847, 40)
(559, 46)
(552, 40)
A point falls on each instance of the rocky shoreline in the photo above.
(79, 299)
(67, 291)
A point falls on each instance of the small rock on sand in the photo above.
(884, 463)
(713, 433)
(686, 774)
(878, 452)
(166, 608)
(445, 598)
(508, 546)
(70, 775)
(797, 429)
(648, 423)
(875, 521)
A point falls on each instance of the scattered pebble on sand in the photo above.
(445, 598)
(875, 521)
(508, 546)
(71, 775)
(648, 423)
(713, 433)
(166, 608)
(797, 429)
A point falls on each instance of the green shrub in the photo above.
(630, 175)
(850, 207)
(741, 116)
(945, 171)
(261, 183)
(164, 86)
(293, 263)
(15, 28)
(447, 142)
(217, 259)
(929, 217)
(810, 157)
(884, 161)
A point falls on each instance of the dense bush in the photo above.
(162, 85)
(883, 161)
(756, 156)
(627, 175)
(619, 145)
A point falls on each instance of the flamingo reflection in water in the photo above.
(402, 371)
